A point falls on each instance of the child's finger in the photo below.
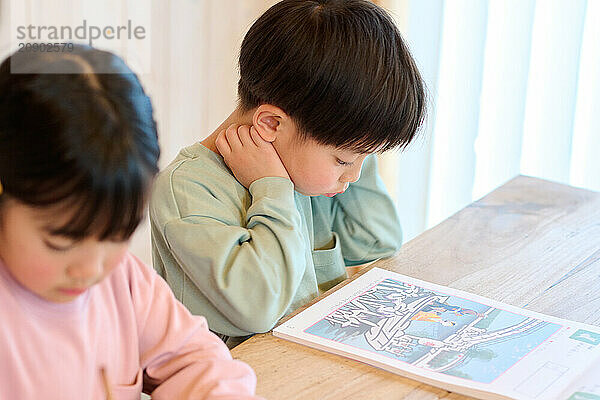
(233, 138)
(222, 145)
(256, 138)
(244, 135)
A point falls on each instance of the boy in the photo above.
(270, 208)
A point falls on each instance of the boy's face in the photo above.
(317, 169)
(56, 268)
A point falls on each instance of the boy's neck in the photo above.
(236, 117)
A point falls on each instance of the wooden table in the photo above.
(530, 243)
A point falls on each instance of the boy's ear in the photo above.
(267, 121)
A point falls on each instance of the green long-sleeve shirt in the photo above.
(244, 258)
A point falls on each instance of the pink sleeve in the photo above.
(181, 358)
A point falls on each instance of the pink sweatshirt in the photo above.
(131, 324)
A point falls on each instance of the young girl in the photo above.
(80, 317)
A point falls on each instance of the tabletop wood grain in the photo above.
(530, 243)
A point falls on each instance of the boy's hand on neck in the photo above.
(248, 155)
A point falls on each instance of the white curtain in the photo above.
(514, 87)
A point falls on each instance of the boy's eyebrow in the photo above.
(361, 152)
(353, 150)
(358, 149)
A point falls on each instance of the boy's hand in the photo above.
(248, 155)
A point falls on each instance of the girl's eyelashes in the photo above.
(57, 247)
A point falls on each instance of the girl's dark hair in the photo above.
(339, 68)
(76, 139)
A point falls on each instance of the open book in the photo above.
(452, 339)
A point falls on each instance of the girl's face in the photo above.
(55, 268)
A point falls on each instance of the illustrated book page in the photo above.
(449, 338)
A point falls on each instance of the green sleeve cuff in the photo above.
(272, 187)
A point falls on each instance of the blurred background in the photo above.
(514, 86)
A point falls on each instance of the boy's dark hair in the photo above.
(80, 140)
(339, 68)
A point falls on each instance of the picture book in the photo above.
(455, 340)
